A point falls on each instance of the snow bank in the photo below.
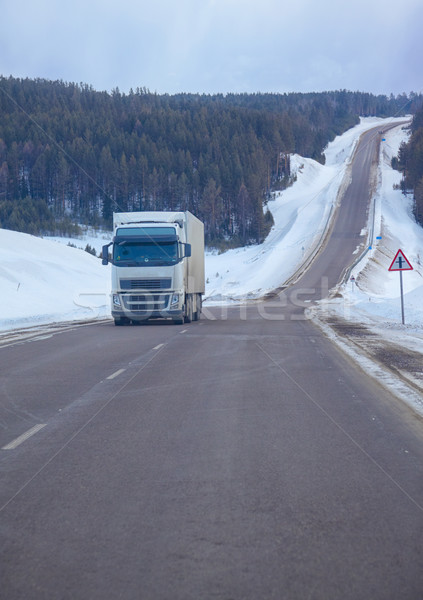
(43, 281)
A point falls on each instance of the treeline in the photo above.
(80, 154)
(410, 162)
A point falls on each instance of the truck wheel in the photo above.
(188, 309)
(121, 321)
(197, 312)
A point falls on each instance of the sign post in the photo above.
(400, 263)
(402, 300)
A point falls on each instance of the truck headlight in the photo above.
(116, 300)
(175, 299)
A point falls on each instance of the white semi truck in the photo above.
(157, 263)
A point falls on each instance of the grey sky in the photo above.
(211, 46)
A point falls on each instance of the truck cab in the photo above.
(157, 267)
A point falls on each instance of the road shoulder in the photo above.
(396, 365)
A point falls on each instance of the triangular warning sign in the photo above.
(400, 263)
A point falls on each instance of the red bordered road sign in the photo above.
(400, 263)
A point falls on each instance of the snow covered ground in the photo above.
(43, 281)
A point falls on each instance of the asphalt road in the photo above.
(241, 457)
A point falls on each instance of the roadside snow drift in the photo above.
(42, 281)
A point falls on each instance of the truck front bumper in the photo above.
(139, 307)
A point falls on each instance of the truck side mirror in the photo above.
(187, 250)
(105, 255)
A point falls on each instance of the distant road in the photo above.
(241, 457)
(346, 233)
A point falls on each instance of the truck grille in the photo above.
(146, 302)
(160, 283)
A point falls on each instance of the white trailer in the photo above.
(157, 266)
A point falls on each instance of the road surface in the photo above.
(241, 457)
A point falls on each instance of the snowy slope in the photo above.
(42, 281)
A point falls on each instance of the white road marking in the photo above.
(158, 346)
(116, 374)
(22, 438)
(183, 331)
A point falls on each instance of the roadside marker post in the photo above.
(401, 263)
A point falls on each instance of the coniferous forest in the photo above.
(70, 154)
(410, 162)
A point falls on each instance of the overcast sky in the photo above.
(171, 46)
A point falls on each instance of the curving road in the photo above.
(241, 457)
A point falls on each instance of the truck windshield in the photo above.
(148, 253)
